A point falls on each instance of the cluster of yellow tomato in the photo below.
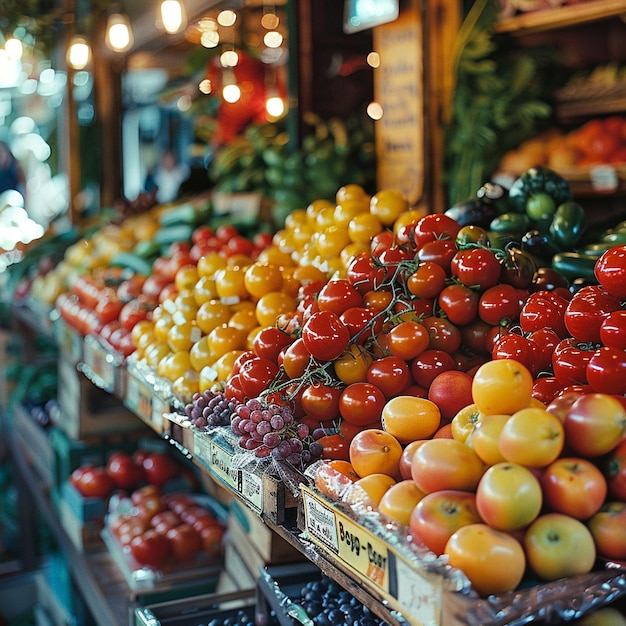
(219, 304)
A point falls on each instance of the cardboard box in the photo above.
(88, 411)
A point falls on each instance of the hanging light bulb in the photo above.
(119, 36)
(274, 105)
(230, 89)
(78, 53)
(14, 48)
(173, 16)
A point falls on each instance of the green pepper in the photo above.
(573, 265)
(568, 225)
(536, 180)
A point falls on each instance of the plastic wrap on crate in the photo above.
(101, 364)
(547, 603)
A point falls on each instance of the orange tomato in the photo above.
(399, 500)
(502, 386)
(333, 477)
(409, 418)
(374, 451)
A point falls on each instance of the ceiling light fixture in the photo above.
(119, 35)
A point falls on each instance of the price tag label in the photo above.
(251, 489)
(139, 398)
(220, 464)
(160, 406)
(101, 364)
(364, 553)
(419, 596)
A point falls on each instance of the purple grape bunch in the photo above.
(210, 408)
(272, 430)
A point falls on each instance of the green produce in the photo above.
(575, 265)
(538, 180)
(568, 225)
(131, 261)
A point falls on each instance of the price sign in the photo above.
(220, 464)
(251, 489)
(100, 362)
(139, 398)
(160, 406)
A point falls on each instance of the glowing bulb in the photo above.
(78, 53)
(231, 93)
(205, 86)
(14, 48)
(210, 38)
(375, 110)
(273, 39)
(226, 18)
(229, 58)
(173, 16)
(270, 21)
(373, 59)
(275, 106)
(119, 37)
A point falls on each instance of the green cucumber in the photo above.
(171, 234)
(183, 214)
(574, 265)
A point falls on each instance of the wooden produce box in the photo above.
(86, 410)
(424, 590)
(35, 444)
(258, 488)
(85, 534)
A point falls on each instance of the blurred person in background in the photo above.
(167, 178)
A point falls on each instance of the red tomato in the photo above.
(498, 304)
(546, 388)
(256, 374)
(427, 280)
(150, 549)
(136, 310)
(269, 342)
(459, 303)
(440, 251)
(295, 359)
(92, 482)
(543, 310)
(363, 274)
(335, 446)
(361, 403)
(476, 267)
(160, 468)
(610, 270)
(569, 362)
(443, 334)
(361, 323)
(185, 542)
(474, 337)
(325, 336)
(512, 345)
(546, 341)
(321, 402)
(233, 389)
(518, 268)
(390, 374)
(429, 364)
(606, 370)
(607, 528)
(338, 295)
(587, 310)
(164, 521)
(381, 242)
(435, 226)
(108, 307)
(613, 330)
(126, 474)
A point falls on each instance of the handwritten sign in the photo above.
(399, 89)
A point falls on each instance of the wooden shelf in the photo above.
(562, 17)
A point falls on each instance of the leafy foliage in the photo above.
(501, 98)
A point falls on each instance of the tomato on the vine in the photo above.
(443, 334)
(613, 330)
(476, 267)
(427, 280)
(352, 365)
(364, 274)
(335, 446)
(519, 347)
(361, 323)
(338, 295)
(543, 309)
(390, 374)
(459, 303)
(569, 362)
(435, 226)
(361, 403)
(256, 374)
(499, 303)
(407, 339)
(440, 251)
(429, 364)
(325, 336)
(321, 401)
(269, 342)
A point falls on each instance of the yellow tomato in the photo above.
(186, 277)
(162, 328)
(244, 320)
(352, 250)
(464, 423)
(224, 338)
(224, 365)
(388, 205)
(409, 418)
(260, 278)
(204, 290)
(176, 365)
(200, 354)
(313, 210)
(295, 219)
(351, 191)
(141, 330)
(502, 386)
(211, 315)
(231, 285)
(406, 218)
(185, 386)
(352, 365)
(325, 218)
(332, 241)
(210, 263)
(182, 336)
(154, 353)
(271, 305)
(239, 260)
(309, 273)
(275, 256)
(363, 227)
(347, 210)
(186, 305)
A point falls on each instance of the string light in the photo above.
(119, 35)
(231, 91)
(173, 16)
(78, 53)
